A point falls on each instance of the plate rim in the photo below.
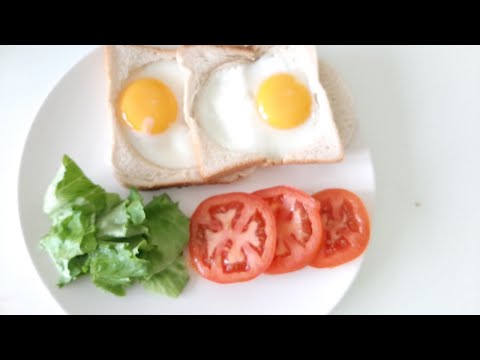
(22, 169)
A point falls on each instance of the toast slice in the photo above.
(215, 159)
(130, 167)
(341, 101)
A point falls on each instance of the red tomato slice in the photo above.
(346, 227)
(232, 237)
(299, 228)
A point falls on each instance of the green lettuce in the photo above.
(79, 265)
(124, 219)
(117, 241)
(171, 281)
(72, 234)
(70, 186)
(168, 232)
(114, 266)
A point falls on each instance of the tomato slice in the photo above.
(299, 228)
(346, 227)
(232, 237)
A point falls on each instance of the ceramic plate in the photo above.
(73, 120)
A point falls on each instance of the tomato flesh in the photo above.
(346, 227)
(299, 228)
(232, 237)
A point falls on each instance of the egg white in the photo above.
(226, 109)
(173, 148)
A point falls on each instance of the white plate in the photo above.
(73, 121)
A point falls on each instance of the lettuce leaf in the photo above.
(72, 234)
(117, 241)
(79, 265)
(70, 186)
(168, 232)
(111, 200)
(171, 281)
(135, 209)
(114, 266)
(124, 219)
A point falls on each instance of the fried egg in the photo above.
(151, 107)
(266, 107)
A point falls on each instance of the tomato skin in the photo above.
(297, 242)
(345, 220)
(208, 226)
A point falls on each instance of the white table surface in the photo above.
(419, 109)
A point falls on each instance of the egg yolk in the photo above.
(149, 106)
(284, 102)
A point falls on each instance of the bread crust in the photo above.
(207, 150)
(224, 179)
(131, 168)
(339, 97)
